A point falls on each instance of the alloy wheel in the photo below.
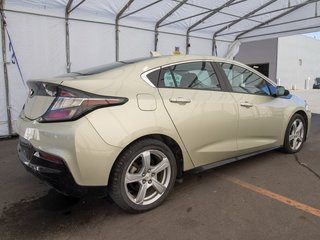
(147, 177)
(296, 134)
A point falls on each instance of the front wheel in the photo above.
(143, 176)
(295, 134)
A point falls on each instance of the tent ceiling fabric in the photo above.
(304, 19)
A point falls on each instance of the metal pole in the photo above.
(296, 7)
(214, 47)
(156, 28)
(316, 28)
(117, 26)
(244, 17)
(237, 21)
(213, 12)
(5, 70)
(67, 13)
(140, 9)
(76, 6)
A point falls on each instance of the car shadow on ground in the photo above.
(54, 212)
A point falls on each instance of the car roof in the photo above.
(154, 62)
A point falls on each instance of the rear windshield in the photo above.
(103, 68)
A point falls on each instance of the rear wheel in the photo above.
(143, 176)
(295, 134)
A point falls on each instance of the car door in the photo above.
(204, 114)
(261, 115)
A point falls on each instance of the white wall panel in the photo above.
(167, 43)
(222, 48)
(91, 44)
(200, 46)
(291, 70)
(135, 43)
(40, 50)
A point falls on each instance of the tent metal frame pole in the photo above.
(237, 21)
(140, 9)
(5, 70)
(244, 17)
(67, 13)
(107, 23)
(185, 18)
(214, 47)
(213, 12)
(68, 10)
(118, 16)
(296, 7)
(249, 18)
(274, 25)
(208, 10)
(316, 28)
(76, 6)
(289, 22)
(156, 28)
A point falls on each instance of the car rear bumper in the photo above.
(87, 158)
(57, 175)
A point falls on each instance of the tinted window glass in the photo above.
(198, 75)
(153, 77)
(245, 81)
(272, 88)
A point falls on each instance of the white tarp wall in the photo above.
(86, 50)
(37, 29)
(39, 47)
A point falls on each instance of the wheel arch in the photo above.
(305, 117)
(170, 142)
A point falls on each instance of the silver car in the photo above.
(133, 127)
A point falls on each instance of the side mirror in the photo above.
(281, 91)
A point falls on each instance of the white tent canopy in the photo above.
(43, 38)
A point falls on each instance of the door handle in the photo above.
(246, 104)
(179, 100)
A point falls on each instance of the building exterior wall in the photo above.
(258, 52)
(298, 60)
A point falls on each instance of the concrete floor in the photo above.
(224, 203)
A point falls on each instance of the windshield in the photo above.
(103, 68)
(318, 80)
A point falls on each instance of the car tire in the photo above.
(143, 176)
(295, 134)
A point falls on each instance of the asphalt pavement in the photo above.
(270, 196)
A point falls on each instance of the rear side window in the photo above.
(194, 75)
(244, 81)
(153, 77)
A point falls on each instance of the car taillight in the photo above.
(48, 157)
(71, 104)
